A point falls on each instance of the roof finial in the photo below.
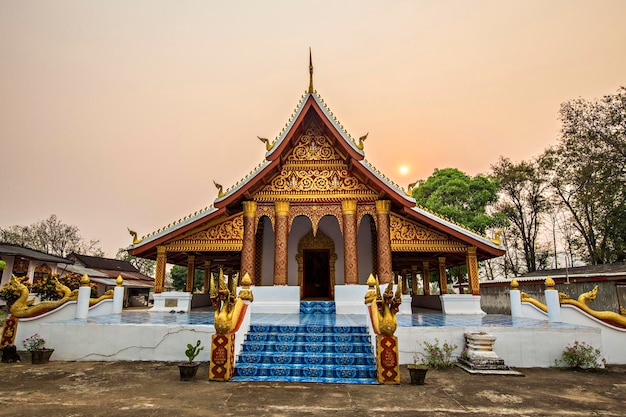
(311, 90)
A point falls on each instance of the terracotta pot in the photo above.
(418, 374)
(188, 370)
(40, 356)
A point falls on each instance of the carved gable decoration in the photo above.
(409, 236)
(224, 236)
(314, 171)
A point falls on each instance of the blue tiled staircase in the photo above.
(315, 350)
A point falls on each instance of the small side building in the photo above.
(104, 272)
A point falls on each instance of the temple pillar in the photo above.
(383, 240)
(281, 242)
(443, 277)
(191, 272)
(414, 279)
(207, 276)
(350, 263)
(426, 277)
(472, 271)
(249, 241)
(159, 277)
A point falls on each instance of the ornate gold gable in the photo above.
(407, 236)
(224, 236)
(314, 171)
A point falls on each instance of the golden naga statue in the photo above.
(106, 296)
(361, 145)
(134, 235)
(609, 317)
(227, 305)
(496, 237)
(268, 145)
(384, 307)
(220, 192)
(25, 308)
(528, 299)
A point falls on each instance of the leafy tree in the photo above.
(461, 198)
(587, 171)
(179, 278)
(51, 236)
(145, 266)
(523, 200)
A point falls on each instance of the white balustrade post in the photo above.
(118, 296)
(516, 299)
(552, 301)
(84, 293)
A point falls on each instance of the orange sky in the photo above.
(122, 113)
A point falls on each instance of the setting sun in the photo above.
(403, 169)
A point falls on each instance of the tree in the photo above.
(461, 198)
(523, 200)
(51, 236)
(179, 278)
(587, 171)
(145, 266)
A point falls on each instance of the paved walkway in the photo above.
(146, 389)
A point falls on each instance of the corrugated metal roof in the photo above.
(16, 250)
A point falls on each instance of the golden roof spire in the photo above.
(311, 90)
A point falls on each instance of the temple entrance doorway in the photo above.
(316, 277)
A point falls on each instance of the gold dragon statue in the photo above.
(227, 305)
(384, 307)
(609, 317)
(23, 307)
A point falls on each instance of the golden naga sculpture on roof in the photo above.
(609, 317)
(361, 143)
(384, 306)
(136, 241)
(23, 307)
(220, 191)
(268, 145)
(227, 305)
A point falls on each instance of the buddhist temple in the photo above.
(316, 216)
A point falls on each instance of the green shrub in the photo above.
(436, 356)
(583, 356)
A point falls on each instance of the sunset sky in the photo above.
(118, 114)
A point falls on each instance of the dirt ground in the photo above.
(153, 389)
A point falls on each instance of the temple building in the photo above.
(317, 216)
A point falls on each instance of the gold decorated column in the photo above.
(350, 263)
(383, 208)
(207, 276)
(249, 241)
(281, 242)
(426, 277)
(191, 272)
(159, 278)
(414, 279)
(472, 271)
(443, 278)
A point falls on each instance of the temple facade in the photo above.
(316, 214)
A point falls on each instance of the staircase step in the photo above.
(317, 307)
(304, 347)
(307, 328)
(309, 337)
(305, 371)
(334, 359)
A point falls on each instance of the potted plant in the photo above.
(36, 345)
(189, 369)
(434, 356)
